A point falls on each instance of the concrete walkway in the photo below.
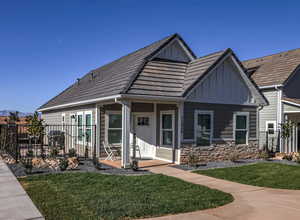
(255, 203)
(15, 204)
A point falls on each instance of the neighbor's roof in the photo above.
(273, 69)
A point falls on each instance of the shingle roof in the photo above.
(273, 69)
(110, 79)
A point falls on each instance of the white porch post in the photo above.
(126, 112)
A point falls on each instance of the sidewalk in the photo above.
(250, 202)
(15, 204)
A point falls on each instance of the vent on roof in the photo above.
(78, 80)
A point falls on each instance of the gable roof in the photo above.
(141, 73)
(110, 79)
(273, 69)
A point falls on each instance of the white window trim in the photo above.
(247, 126)
(271, 122)
(84, 126)
(170, 112)
(204, 112)
(77, 125)
(107, 124)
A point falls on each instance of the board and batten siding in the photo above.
(174, 52)
(269, 112)
(222, 122)
(224, 85)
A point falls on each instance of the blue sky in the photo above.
(46, 45)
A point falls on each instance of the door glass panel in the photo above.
(167, 121)
(241, 122)
(167, 137)
(240, 137)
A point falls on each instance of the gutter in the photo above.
(270, 87)
(114, 97)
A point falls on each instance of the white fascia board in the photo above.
(270, 87)
(291, 103)
(148, 97)
(90, 101)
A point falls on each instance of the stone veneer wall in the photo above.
(219, 151)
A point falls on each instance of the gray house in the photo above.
(169, 100)
(278, 78)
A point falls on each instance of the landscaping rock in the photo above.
(72, 163)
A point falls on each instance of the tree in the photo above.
(35, 127)
(13, 118)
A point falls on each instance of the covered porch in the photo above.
(151, 128)
(291, 111)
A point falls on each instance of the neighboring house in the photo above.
(278, 78)
(173, 101)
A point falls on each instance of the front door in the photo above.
(144, 129)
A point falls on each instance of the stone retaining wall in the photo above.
(219, 151)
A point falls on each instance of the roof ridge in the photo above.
(219, 51)
(273, 54)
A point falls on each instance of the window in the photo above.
(80, 126)
(143, 121)
(114, 131)
(203, 127)
(241, 125)
(167, 128)
(271, 127)
(88, 127)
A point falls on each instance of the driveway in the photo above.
(251, 202)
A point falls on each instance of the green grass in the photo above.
(97, 196)
(271, 175)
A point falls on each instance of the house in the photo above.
(166, 100)
(278, 78)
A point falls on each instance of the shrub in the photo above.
(29, 153)
(63, 165)
(54, 152)
(264, 155)
(72, 152)
(234, 157)
(134, 165)
(288, 157)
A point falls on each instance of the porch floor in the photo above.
(142, 163)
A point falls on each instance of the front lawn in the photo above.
(98, 196)
(271, 175)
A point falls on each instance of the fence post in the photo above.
(267, 142)
(17, 143)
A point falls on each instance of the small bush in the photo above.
(234, 157)
(54, 152)
(29, 153)
(288, 157)
(63, 165)
(263, 155)
(193, 159)
(72, 152)
(134, 165)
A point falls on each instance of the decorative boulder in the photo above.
(72, 163)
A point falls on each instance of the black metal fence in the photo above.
(21, 141)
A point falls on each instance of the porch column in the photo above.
(126, 111)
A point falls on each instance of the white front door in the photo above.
(144, 129)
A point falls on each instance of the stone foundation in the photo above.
(219, 151)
